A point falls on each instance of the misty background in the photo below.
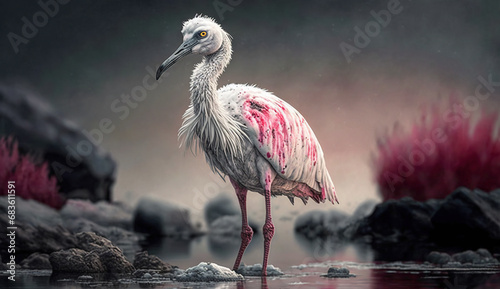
(92, 52)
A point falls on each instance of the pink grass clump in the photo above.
(31, 181)
(447, 148)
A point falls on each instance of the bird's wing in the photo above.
(282, 136)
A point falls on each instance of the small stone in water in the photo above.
(84, 277)
(208, 272)
(334, 272)
(147, 276)
(438, 258)
(256, 270)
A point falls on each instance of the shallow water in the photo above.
(287, 249)
(368, 275)
(303, 263)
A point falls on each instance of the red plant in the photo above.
(444, 150)
(31, 181)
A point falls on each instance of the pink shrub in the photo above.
(31, 181)
(443, 151)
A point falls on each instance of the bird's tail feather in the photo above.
(328, 190)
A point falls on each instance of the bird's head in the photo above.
(201, 35)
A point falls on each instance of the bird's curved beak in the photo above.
(182, 51)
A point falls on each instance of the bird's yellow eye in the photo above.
(203, 33)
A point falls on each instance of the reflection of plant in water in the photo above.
(32, 181)
(443, 151)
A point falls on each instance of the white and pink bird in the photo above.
(248, 134)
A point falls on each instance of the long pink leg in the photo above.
(246, 231)
(268, 228)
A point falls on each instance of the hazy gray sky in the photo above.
(88, 54)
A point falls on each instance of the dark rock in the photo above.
(405, 229)
(45, 230)
(33, 212)
(363, 210)
(144, 261)
(485, 253)
(333, 223)
(140, 272)
(110, 220)
(116, 235)
(36, 261)
(102, 213)
(320, 224)
(110, 256)
(94, 254)
(438, 258)
(76, 261)
(396, 221)
(481, 256)
(338, 271)
(334, 272)
(467, 257)
(225, 227)
(41, 238)
(40, 131)
(468, 217)
(156, 217)
(126, 240)
(115, 262)
(220, 206)
(397, 230)
(348, 228)
(223, 206)
(89, 241)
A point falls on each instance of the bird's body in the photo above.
(275, 136)
(255, 138)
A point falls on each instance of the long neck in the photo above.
(205, 76)
(206, 122)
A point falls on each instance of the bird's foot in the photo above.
(268, 231)
(246, 237)
(264, 272)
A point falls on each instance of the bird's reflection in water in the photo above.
(243, 284)
(263, 284)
